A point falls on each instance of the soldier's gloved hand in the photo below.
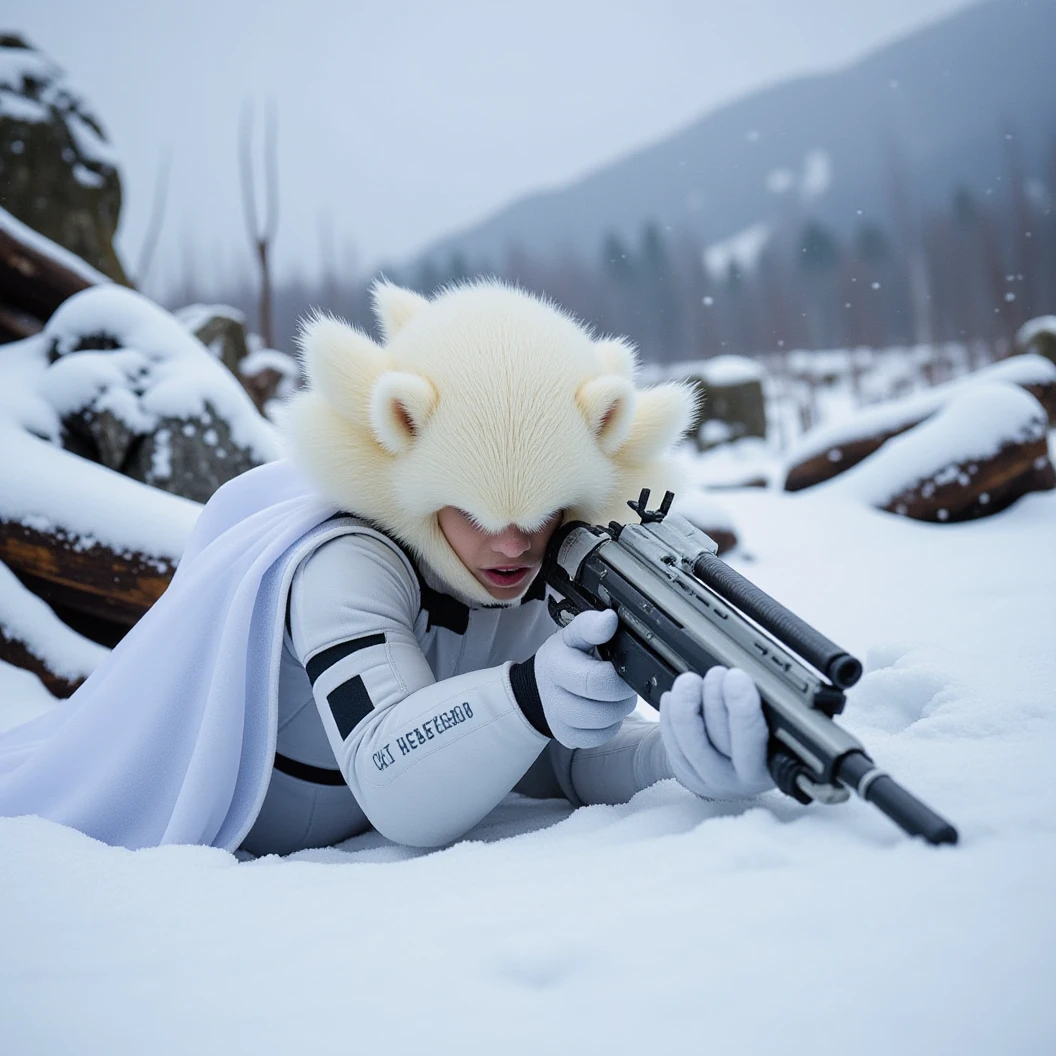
(583, 698)
(715, 734)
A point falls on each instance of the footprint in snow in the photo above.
(901, 685)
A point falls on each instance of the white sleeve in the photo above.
(616, 770)
(426, 760)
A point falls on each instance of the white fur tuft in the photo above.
(394, 307)
(617, 356)
(341, 363)
(662, 415)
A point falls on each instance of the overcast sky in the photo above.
(400, 121)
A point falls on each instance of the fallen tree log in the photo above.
(983, 451)
(974, 488)
(831, 450)
(16, 325)
(35, 274)
(33, 638)
(76, 571)
(16, 653)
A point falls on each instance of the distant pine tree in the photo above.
(659, 293)
(818, 249)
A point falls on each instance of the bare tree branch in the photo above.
(271, 173)
(245, 167)
(261, 237)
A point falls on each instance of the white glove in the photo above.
(715, 734)
(583, 698)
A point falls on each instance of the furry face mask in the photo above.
(485, 398)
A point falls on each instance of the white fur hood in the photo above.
(485, 398)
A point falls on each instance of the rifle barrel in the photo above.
(842, 669)
(858, 772)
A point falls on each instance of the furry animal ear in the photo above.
(617, 356)
(341, 363)
(400, 405)
(662, 415)
(608, 405)
(394, 306)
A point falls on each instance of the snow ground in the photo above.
(659, 925)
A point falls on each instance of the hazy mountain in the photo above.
(936, 108)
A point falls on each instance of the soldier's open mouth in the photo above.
(506, 577)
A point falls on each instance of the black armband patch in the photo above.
(328, 657)
(526, 693)
(443, 610)
(314, 775)
(349, 704)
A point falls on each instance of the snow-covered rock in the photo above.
(730, 400)
(137, 392)
(221, 328)
(1039, 336)
(59, 172)
(267, 374)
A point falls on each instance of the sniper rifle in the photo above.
(682, 608)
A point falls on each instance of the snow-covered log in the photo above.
(826, 452)
(36, 276)
(84, 574)
(986, 448)
(85, 536)
(34, 638)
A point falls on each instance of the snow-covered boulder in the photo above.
(1039, 336)
(58, 172)
(267, 374)
(731, 404)
(221, 328)
(981, 452)
(137, 393)
(830, 450)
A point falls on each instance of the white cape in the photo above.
(172, 738)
